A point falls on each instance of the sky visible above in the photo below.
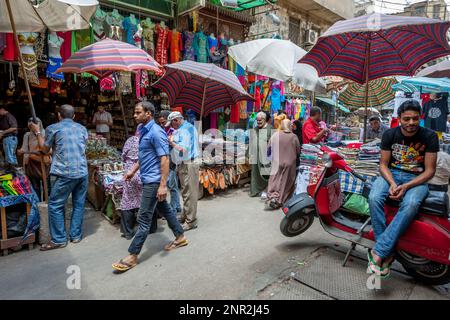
(395, 6)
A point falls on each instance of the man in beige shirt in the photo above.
(103, 121)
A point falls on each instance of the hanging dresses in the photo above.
(176, 46)
(55, 59)
(162, 44)
(189, 52)
(201, 47)
(26, 42)
(98, 21)
(130, 26)
(149, 36)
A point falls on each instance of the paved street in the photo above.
(237, 252)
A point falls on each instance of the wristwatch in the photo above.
(38, 133)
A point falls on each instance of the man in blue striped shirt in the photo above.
(69, 175)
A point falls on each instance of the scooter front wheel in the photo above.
(297, 223)
(426, 271)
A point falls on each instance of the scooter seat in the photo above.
(436, 203)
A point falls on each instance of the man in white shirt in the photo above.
(103, 121)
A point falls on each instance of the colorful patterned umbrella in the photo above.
(374, 46)
(380, 92)
(202, 87)
(107, 56)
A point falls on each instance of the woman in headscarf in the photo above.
(32, 160)
(297, 130)
(284, 148)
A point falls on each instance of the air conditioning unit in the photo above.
(311, 36)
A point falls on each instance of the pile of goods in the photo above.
(218, 178)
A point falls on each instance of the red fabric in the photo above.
(394, 122)
(176, 46)
(162, 44)
(310, 130)
(66, 47)
(10, 53)
(234, 117)
(258, 98)
(214, 117)
(179, 109)
(425, 98)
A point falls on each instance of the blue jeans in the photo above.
(9, 147)
(387, 236)
(172, 185)
(61, 189)
(147, 211)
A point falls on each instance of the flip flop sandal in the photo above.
(174, 245)
(116, 266)
(386, 269)
(372, 264)
(222, 181)
(52, 246)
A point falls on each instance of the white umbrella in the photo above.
(56, 15)
(306, 76)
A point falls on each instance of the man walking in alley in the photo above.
(69, 174)
(8, 132)
(154, 170)
(185, 153)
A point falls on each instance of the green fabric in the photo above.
(81, 39)
(259, 182)
(356, 203)
(245, 4)
(110, 209)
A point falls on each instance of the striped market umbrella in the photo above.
(107, 56)
(405, 87)
(380, 92)
(376, 46)
(202, 87)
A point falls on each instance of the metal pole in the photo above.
(25, 77)
(367, 88)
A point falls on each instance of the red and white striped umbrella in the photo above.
(107, 56)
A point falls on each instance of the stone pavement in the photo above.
(237, 252)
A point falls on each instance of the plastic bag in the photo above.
(356, 203)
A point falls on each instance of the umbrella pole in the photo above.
(25, 77)
(203, 106)
(123, 111)
(44, 179)
(367, 91)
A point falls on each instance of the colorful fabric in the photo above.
(130, 29)
(162, 45)
(149, 37)
(66, 47)
(353, 185)
(399, 45)
(380, 92)
(31, 68)
(189, 52)
(184, 83)
(176, 46)
(132, 190)
(201, 47)
(310, 130)
(53, 65)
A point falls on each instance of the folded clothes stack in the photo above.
(350, 154)
(370, 153)
(310, 155)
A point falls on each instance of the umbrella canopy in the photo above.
(106, 56)
(202, 87)
(429, 85)
(405, 87)
(370, 112)
(56, 15)
(330, 102)
(272, 58)
(380, 92)
(375, 46)
(440, 70)
(306, 76)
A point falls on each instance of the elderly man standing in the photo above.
(69, 172)
(259, 138)
(185, 153)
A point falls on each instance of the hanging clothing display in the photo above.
(55, 59)
(243, 110)
(188, 40)
(41, 47)
(277, 96)
(66, 47)
(81, 39)
(149, 36)
(223, 50)
(214, 117)
(130, 26)
(201, 47)
(10, 53)
(113, 25)
(435, 112)
(26, 42)
(162, 44)
(98, 22)
(234, 117)
(175, 45)
(125, 85)
(213, 44)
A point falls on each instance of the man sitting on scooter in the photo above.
(408, 161)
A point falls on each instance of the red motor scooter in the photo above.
(423, 250)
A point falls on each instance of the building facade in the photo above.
(436, 9)
(301, 21)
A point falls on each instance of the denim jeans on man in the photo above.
(9, 147)
(387, 236)
(172, 185)
(147, 214)
(61, 189)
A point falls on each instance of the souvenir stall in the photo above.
(19, 214)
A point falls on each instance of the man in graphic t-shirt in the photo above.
(408, 161)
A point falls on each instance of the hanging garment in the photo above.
(107, 84)
(125, 85)
(212, 44)
(175, 45)
(137, 38)
(201, 47)
(189, 52)
(98, 25)
(10, 53)
(243, 110)
(26, 42)
(2, 41)
(223, 50)
(277, 96)
(149, 36)
(55, 60)
(162, 44)
(66, 47)
(234, 117)
(221, 123)
(214, 117)
(41, 46)
(435, 112)
(81, 39)
(130, 26)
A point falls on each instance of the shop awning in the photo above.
(332, 103)
(245, 4)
